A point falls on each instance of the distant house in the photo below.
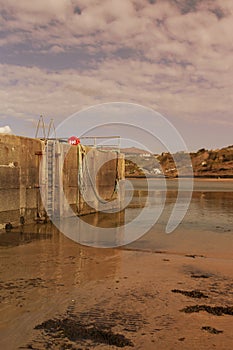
(133, 152)
(145, 155)
(157, 171)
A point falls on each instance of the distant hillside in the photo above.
(206, 163)
(134, 150)
(214, 162)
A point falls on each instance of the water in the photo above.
(206, 229)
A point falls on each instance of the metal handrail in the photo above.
(94, 138)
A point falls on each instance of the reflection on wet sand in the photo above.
(42, 277)
(25, 234)
(45, 275)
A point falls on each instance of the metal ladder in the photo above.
(51, 178)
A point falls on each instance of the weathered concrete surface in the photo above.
(19, 178)
(111, 169)
(20, 187)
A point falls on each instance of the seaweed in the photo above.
(191, 294)
(214, 310)
(71, 328)
(211, 330)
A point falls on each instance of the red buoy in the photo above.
(73, 140)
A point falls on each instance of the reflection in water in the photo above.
(25, 234)
(209, 211)
(217, 201)
(207, 228)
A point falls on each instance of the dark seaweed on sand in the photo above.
(74, 330)
(214, 310)
(211, 330)
(191, 294)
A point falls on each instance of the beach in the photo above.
(164, 291)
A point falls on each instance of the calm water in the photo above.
(207, 228)
(41, 269)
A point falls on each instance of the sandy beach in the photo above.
(160, 292)
(135, 294)
(116, 175)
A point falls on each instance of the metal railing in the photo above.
(100, 142)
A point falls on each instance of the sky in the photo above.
(58, 57)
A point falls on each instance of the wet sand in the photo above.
(122, 292)
(172, 292)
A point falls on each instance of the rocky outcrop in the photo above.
(214, 163)
(205, 163)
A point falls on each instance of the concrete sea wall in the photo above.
(20, 184)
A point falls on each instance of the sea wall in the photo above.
(109, 168)
(19, 178)
(20, 185)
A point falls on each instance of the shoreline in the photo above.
(208, 178)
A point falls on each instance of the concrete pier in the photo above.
(25, 173)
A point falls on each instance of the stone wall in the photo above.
(97, 189)
(20, 195)
(19, 178)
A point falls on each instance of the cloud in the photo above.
(132, 23)
(5, 130)
(56, 49)
(170, 88)
(172, 55)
